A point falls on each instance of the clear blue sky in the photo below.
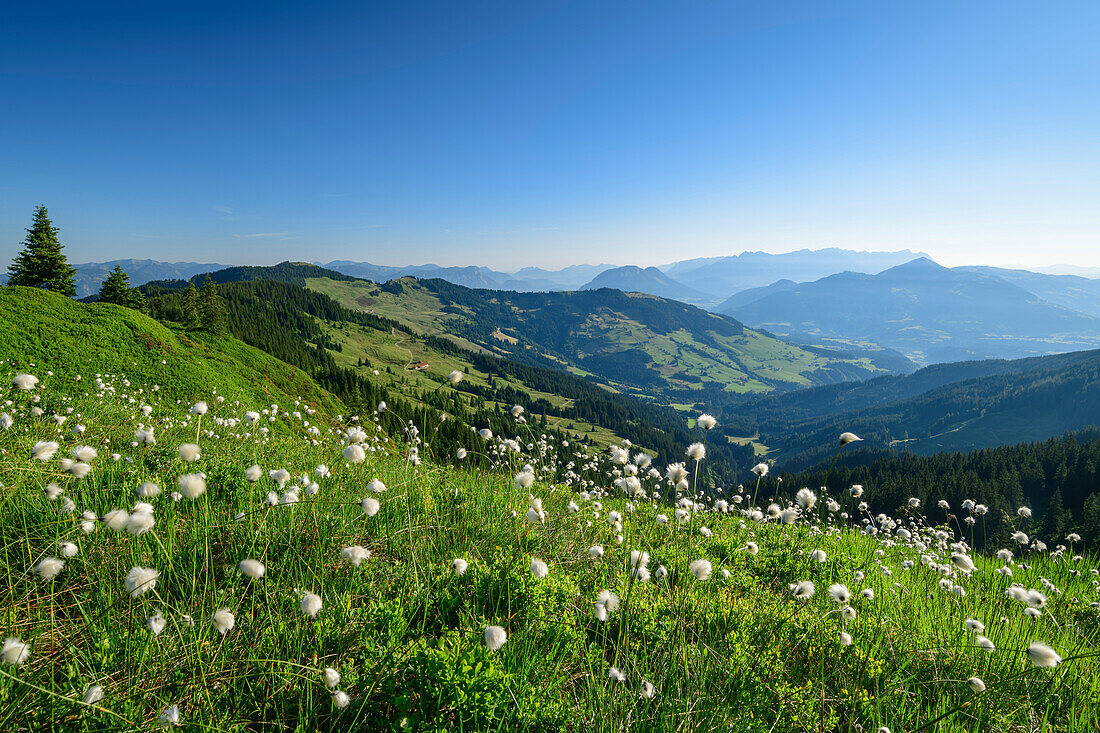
(551, 133)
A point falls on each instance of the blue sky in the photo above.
(551, 133)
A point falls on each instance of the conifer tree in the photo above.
(212, 308)
(191, 306)
(116, 289)
(41, 264)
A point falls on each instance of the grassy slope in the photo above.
(750, 362)
(735, 653)
(43, 328)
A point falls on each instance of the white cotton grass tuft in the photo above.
(15, 652)
(355, 554)
(806, 499)
(646, 690)
(846, 438)
(84, 453)
(141, 520)
(803, 590)
(192, 485)
(340, 699)
(845, 638)
(701, 569)
(963, 562)
(311, 604)
(43, 450)
(199, 408)
(354, 453)
(189, 452)
(760, 469)
(705, 421)
(458, 565)
(984, 644)
(169, 716)
(616, 675)
(48, 568)
(595, 552)
(67, 549)
(976, 684)
(696, 451)
(223, 621)
(156, 623)
(331, 677)
(93, 695)
(524, 479)
(141, 580)
(148, 490)
(1042, 655)
(376, 486)
(818, 556)
(454, 377)
(494, 637)
(253, 473)
(24, 382)
(538, 568)
(370, 506)
(252, 568)
(839, 593)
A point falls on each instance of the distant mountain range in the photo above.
(90, 275)
(931, 313)
(633, 279)
(721, 277)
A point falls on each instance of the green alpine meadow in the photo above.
(196, 537)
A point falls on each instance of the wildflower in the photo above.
(355, 554)
(140, 520)
(701, 569)
(156, 623)
(340, 699)
(311, 604)
(646, 691)
(24, 382)
(803, 590)
(171, 714)
(494, 637)
(976, 684)
(189, 452)
(141, 580)
(846, 438)
(963, 562)
(696, 451)
(839, 593)
(332, 677)
(223, 621)
(806, 499)
(355, 453)
(15, 651)
(43, 450)
(253, 473)
(818, 556)
(93, 695)
(539, 568)
(1042, 655)
(48, 568)
(370, 506)
(192, 485)
(252, 568)
(616, 675)
(458, 565)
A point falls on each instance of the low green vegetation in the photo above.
(263, 566)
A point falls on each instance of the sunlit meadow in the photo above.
(214, 564)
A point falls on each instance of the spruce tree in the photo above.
(41, 264)
(191, 306)
(116, 289)
(212, 308)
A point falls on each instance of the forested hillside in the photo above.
(1058, 480)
